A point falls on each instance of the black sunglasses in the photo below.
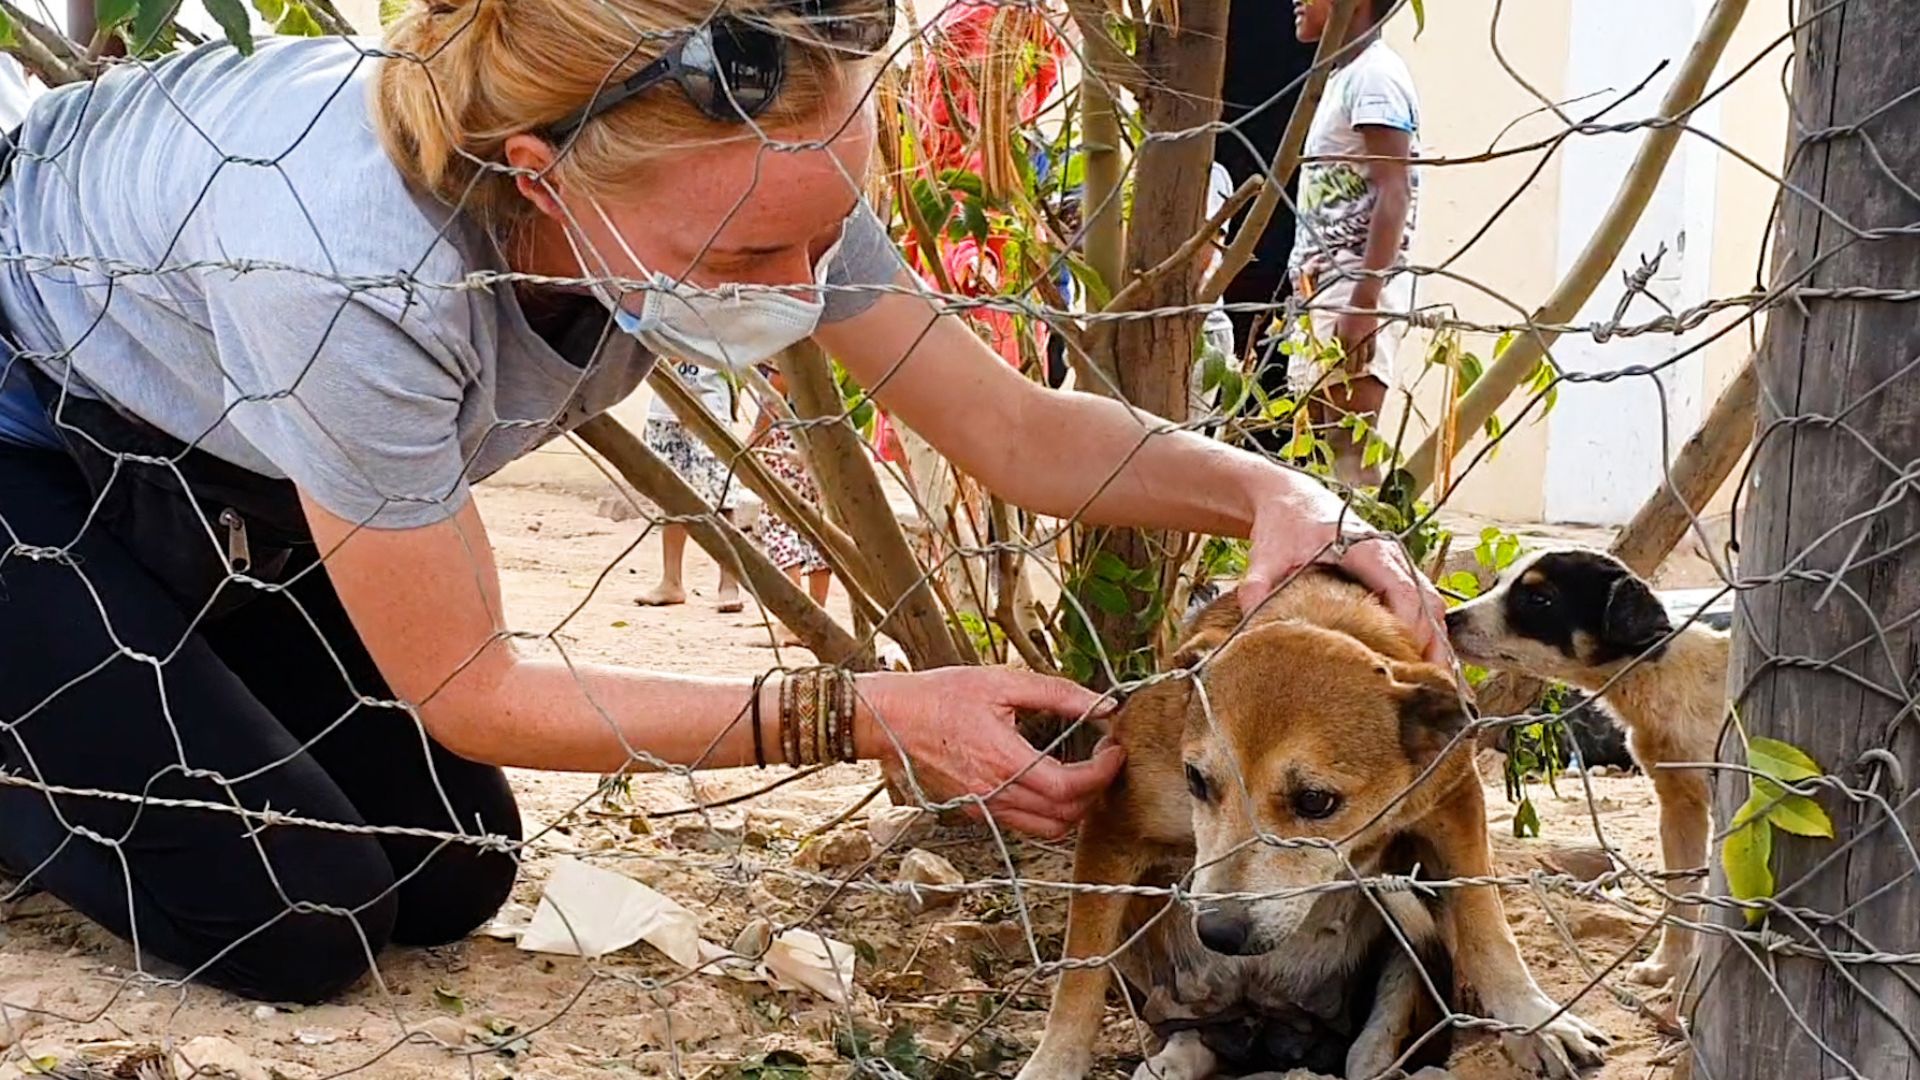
(731, 66)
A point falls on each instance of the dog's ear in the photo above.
(1634, 618)
(1198, 646)
(1433, 711)
(1206, 632)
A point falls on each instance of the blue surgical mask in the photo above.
(726, 327)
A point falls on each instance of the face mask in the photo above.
(722, 328)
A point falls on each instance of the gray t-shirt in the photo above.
(219, 245)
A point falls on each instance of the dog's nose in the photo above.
(1455, 620)
(1224, 931)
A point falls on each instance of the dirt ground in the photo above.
(483, 1008)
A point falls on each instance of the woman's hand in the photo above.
(1293, 525)
(956, 727)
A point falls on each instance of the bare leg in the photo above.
(1686, 832)
(729, 588)
(673, 553)
(818, 583)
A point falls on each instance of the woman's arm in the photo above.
(1073, 454)
(426, 603)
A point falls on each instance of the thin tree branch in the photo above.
(1505, 374)
(655, 479)
(55, 67)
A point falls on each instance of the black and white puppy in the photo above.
(1582, 617)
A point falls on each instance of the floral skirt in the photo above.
(696, 464)
(783, 543)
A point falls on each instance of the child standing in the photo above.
(784, 545)
(1355, 226)
(666, 436)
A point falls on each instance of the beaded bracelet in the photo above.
(817, 708)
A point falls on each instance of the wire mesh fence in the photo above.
(271, 309)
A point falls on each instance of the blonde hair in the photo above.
(468, 74)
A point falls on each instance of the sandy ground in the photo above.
(483, 1008)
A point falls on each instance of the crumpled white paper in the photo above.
(590, 912)
(803, 959)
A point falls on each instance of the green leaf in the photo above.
(934, 204)
(974, 214)
(1507, 550)
(1796, 814)
(1281, 408)
(1075, 174)
(1212, 370)
(1107, 597)
(1419, 17)
(1461, 582)
(150, 20)
(1301, 446)
(1526, 820)
(1110, 567)
(1377, 451)
(1746, 856)
(6, 30)
(966, 181)
(1098, 294)
(391, 10)
(298, 22)
(1470, 371)
(449, 1000)
(271, 10)
(1781, 761)
(234, 23)
(111, 13)
(902, 1049)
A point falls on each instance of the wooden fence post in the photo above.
(1825, 642)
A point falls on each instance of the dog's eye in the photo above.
(1536, 598)
(1196, 783)
(1313, 804)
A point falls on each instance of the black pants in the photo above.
(1266, 285)
(105, 687)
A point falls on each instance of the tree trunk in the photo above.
(912, 613)
(1824, 645)
(1180, 68)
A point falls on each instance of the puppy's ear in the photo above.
(1433, 711)
(1634, 618)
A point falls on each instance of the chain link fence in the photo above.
(833, 920)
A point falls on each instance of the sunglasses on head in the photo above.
(731, 66)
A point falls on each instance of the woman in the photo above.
(324, 292)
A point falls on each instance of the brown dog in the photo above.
(1583, 618)
(1279, 763)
